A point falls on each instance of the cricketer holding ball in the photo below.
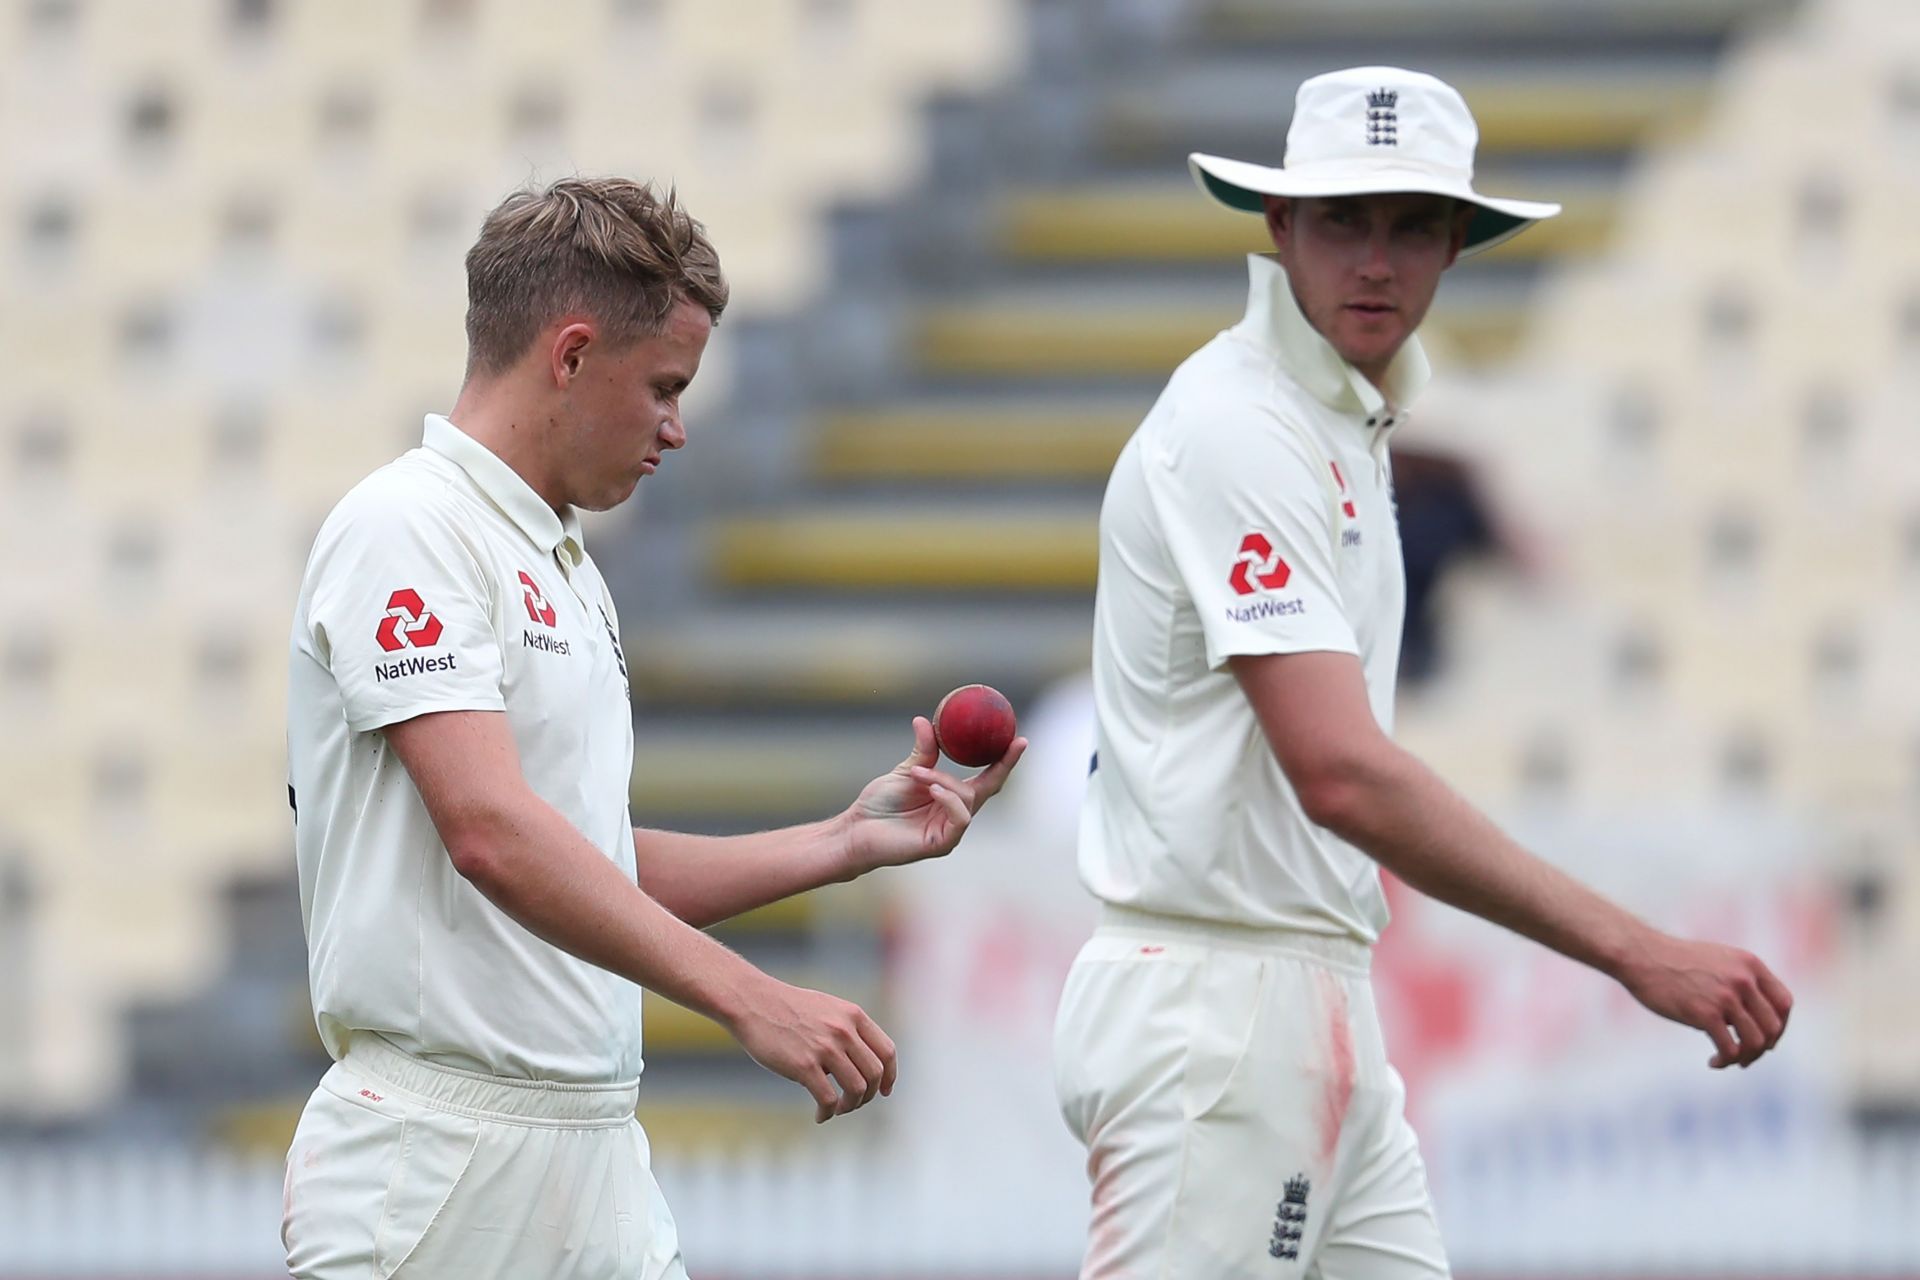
(1217, 1047)
(480, 910)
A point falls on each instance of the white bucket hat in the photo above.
(1368, 130)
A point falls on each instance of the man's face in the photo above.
(622, 409)
(1364, 268)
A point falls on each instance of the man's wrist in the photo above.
(1625, 949)
(841, 855)
(729, 991)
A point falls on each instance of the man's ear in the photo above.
(568, 351)
(1463, 215)
(1279, 219)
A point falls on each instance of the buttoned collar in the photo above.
(1274, 323)
(554, 534)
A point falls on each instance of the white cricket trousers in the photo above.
(1240, 1118)
(402, 1168)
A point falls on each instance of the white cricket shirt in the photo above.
(1251, 513)
(442, 582)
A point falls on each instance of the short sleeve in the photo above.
(1249, 526)
(400, 611)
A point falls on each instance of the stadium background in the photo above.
(1674, 499)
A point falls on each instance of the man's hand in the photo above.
(915, 811)
(1714, 988)
(818, 1041)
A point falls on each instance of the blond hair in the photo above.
(609, 248)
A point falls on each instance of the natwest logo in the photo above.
(1259, 567)
(407, 623)
(1346, 501)
(537, 607)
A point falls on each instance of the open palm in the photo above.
(915, 811)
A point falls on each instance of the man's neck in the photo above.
(512, 431)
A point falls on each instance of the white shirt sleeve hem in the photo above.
(394, 715)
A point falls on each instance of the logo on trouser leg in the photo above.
(1290, 1220)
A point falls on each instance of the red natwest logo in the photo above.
(407, 623)
(1258, 564)
(1346, 503)
(537, 607)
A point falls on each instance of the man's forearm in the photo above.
(1415, 825)
(706, 879)
(535, 866)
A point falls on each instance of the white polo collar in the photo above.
(506, 490)
(1275, 323)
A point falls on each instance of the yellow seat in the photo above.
(965, 551)
(984, 443)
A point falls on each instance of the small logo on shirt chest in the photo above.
(538, 610)
(541, 611)
(1348, 537)
(1346, 499)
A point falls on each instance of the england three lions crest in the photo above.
(1383, 118)
(1290, 1220)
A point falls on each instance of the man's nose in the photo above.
(673, 433)
(1377, 264)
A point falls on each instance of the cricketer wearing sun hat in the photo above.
(1217, 1047)
(1372, 130)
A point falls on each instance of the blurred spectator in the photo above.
(1445, 519)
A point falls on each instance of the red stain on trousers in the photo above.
(1339, 1087)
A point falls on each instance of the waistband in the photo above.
(545, 1103)
(1337, 950)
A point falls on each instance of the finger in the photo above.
(824, 1097)
(989, 781)
(882, 1045)
(931, 778)
(1723, 1041)
(1764, 1016)
(1776, 993)
(868, 1064)
(926, 748)
(956, 807)
(852, 1083)
(1747, 1029)
(982, 786)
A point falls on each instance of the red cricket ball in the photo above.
(974, 725)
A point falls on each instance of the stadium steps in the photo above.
(840, 548)
(1557, 113)
(925, 517)
(1022, 367)
(1657, 26)
(915, 443)
(755, 771)
(819, 659)
(1160, 223)
(1053, 335)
